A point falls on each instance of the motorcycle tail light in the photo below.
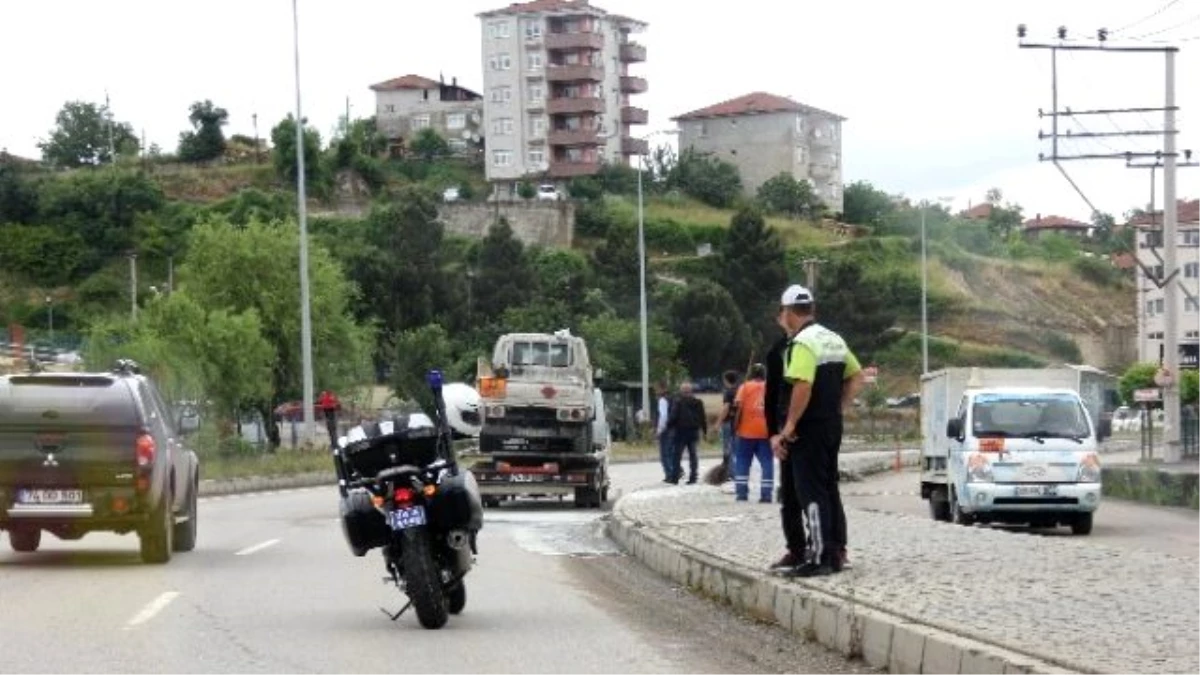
(404, 495)
(429, 490)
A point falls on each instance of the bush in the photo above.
(592, 220)
(1097, 270)
(668, 236)
(1062, 347)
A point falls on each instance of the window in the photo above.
(537, 126)
(1149, 308)
(536, 157)
(1153, 239)
(702, 128)
(800, 155)
(1192, 334)
(799, 124)
(505, 62)
(535, 61)
(1191, 270)
(501, 158)
(1191, 305)
(501, 94)
(502, 126)
(389, 108)
(456, 120)
(533, 30)
(1158, 272)
(498, 29)
(420, 121)
(1191, 237)
(1158, 306)
(536, 94)
(457, 144)
(833, 159)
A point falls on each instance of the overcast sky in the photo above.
(940, 99)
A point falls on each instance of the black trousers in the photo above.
(789, 509)
(813, 460)
(331, 425)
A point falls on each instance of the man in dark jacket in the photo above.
(778, 392)
(690, 423)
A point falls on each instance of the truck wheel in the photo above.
(185, 532)
(1082, 524)
(491, 502)
(939, 508)
(25, 540)
(587, 498)
(158, 535)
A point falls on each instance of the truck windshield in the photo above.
(1029, 416)
(553, 354)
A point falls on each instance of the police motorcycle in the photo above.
(402, 491)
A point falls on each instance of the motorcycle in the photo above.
(403, 492)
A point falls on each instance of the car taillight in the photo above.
(145, 450)
(404, 495)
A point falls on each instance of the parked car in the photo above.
(548, 193)
(450, 194)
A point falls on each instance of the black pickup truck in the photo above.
(89, 452)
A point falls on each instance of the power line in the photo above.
(1168, 29)
(1146, 18)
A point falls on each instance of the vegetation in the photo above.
(393, 293)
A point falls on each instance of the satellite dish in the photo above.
(466, 134)
(475, 137)
(475, 117)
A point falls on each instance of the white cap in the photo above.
(796, 295)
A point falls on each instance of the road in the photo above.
(272, 587)
(1118, 523)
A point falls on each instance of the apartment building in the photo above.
(407, 104)
(765, 135)
(1151, 320)
(558, 91)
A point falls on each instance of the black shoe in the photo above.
(788, 561)
(809, 570)
(692, 480)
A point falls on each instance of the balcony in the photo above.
(634, 146)
(576, 137)
(561, 168)
(633, 115)
(574, 41)
(575, 105)
(574, 74)
(632, 52)
(633, 85)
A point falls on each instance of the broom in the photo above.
(719, 474)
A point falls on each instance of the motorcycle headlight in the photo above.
(1089, 469)
(979, 469)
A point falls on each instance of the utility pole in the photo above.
(257, 157)
(108, 116)
(305, 308)
(810, 272)
(133, 284)
(1168, 155)
(347, 129)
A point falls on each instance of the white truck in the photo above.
(1015, 445)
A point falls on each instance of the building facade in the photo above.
(765, 135)
(405, 105)
(1152, 299)
(557, 91)
(1040, 226)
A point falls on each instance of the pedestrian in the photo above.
(329, 405)
(777, 393)
(825, 376)
(665, 435)
(690, 424)
(752, 441)
(722, 472)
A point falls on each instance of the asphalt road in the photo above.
(1118, 523)
(272, 587)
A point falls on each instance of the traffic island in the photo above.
(925, 596)
(1150, 484)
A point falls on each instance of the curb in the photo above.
(1147, 485)
(210, 487)
(881, 639)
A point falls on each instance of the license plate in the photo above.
(1036, 490)
(527, 477)
(402, 519)
(44, 496)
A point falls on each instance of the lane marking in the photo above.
(257, 547)
(152, 608)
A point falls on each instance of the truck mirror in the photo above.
(954, 428)
(598, 374)
(1104, 429)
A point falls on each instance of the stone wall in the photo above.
(550, 224)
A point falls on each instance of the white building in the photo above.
(1151, 319)
(405, 105)
(557, 91)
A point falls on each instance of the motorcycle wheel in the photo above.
(422, 581)
(456, 596)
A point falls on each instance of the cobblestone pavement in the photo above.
(1082, 605)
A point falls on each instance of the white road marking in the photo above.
(257, 547)
(154, 607)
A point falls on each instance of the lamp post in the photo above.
(642, 276)
(925, 286)
(50, 310)
(305, 312)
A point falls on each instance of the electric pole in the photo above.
(810, 272)
(133, 284)
(1168, 155)
(108, 116)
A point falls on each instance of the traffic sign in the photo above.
(1163, 378)
(1147, 395)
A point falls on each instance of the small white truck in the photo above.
(1015, 445)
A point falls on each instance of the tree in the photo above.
(206, 140)
(614, 346)
(713, 181)
(18, 199)
(416, 352)
(784, 194)
(1137, 376)
(562, 277)
(1002, 219)
(862, 204)
(254, 268)
(525, 190)
(617, 268)
(283, 138)
(504, 277)
(754, 269)
(712, 333)
(429, 145)
(81, 136)
(856, 305)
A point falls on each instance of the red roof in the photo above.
(541, 6)
(1188, 213)
(1055, 223)
(978, 212)
(407, 82)
(756, 103)
(1123, 261)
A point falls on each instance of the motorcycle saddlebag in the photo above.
(363, 527)
(457, 503)
(373, 447)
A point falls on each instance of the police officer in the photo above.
(776, 397)
(824, 376)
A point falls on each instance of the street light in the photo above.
(642, 275)
(50, 309)
(925, 286)
(305, 313)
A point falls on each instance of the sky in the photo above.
(940, 100)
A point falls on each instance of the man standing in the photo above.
(752, 440)
(777, 395)
(825, 376)
(725, 424)
(665, 435)
(690, 423)
(330, 405)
